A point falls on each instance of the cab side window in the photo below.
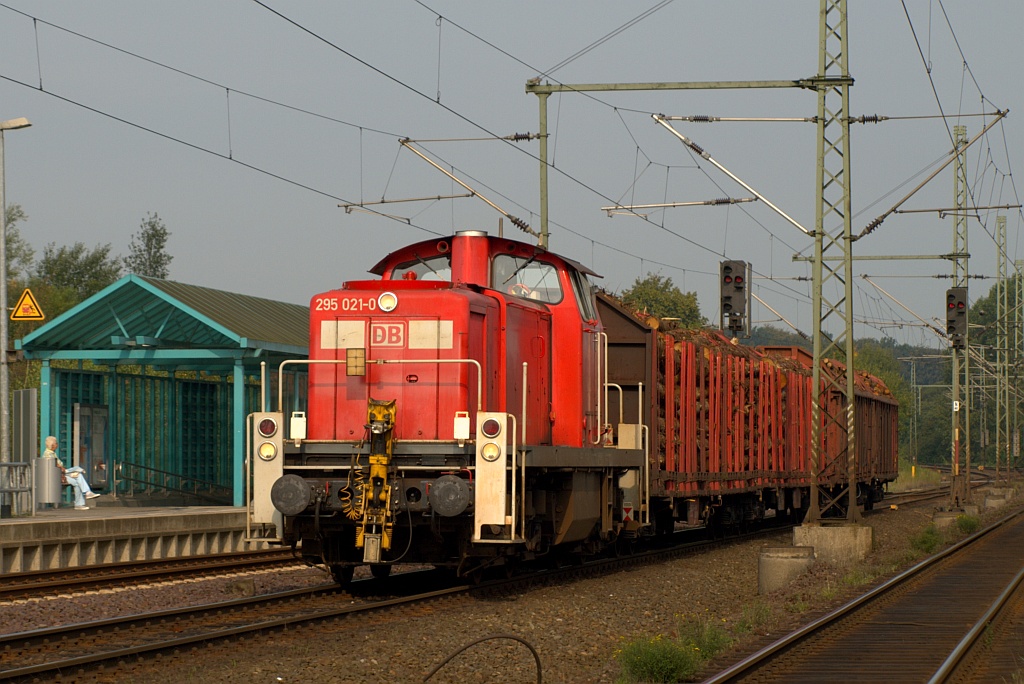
(526, 277)
(584, 290)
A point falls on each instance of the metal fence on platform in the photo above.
(16, 489)
(133, 479)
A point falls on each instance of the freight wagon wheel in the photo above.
(624, 546)
(343, 574)
(381, 570)
(713, 528)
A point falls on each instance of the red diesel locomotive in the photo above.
(479, 404)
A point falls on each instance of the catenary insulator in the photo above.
(522, 225)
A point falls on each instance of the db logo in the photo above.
(387, 335)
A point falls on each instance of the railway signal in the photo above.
(733, 283)
(956, 316)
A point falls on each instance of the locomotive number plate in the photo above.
(345, 304)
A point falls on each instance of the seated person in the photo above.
(74, 476)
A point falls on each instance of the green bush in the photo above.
(830, 591)
(706, 636)
(754, 615)
(799, 605)
(660, 659)
(928, 541)
(857, 578)
(968, 524)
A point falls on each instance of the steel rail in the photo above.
(198, 637)
(19, 585)
(963, 648)
(745, 667)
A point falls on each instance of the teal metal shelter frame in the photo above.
(178, 365)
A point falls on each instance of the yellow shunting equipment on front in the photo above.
(374, 535)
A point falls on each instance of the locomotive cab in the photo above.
(454, 413)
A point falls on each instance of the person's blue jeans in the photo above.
(76, 479)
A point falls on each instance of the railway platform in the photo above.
(66, 538)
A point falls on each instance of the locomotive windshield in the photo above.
(433, 268)
(524, 277)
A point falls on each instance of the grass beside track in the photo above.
(912, 478)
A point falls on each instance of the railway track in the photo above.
(979, 479)
(36, 655)
(25, 585)
(936, 493)
(40, 654)
(906, 629)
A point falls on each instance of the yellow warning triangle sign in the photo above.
(27, 308)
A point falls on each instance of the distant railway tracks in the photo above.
(24, 585)
(920, 626)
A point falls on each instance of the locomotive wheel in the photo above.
(507, 570)
(343, 574)
(381, 570)
(474, 576)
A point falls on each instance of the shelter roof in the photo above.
(149, 320)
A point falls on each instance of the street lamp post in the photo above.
(5, 384)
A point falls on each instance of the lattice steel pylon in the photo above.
(1015, 361)
(1002, 348)
(960, 493)
(833, 281)
(832, 85)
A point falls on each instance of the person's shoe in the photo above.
(91, 495)
(81, 508)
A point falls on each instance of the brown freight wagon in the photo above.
(730, 426)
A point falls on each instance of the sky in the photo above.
(245, 124)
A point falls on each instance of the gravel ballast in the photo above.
(575, 628)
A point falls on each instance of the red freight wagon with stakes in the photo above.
(480, 404)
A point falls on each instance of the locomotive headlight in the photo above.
(267, 451)
(490, 428)
(267, 427)
(490, 452)
(387, 301)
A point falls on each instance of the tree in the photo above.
(659, 297)
(148, 255)
(774, 336)
(20, 254)
(76, 268)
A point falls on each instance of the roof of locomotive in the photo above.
(429, 248)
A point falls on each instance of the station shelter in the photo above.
(147, 384)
